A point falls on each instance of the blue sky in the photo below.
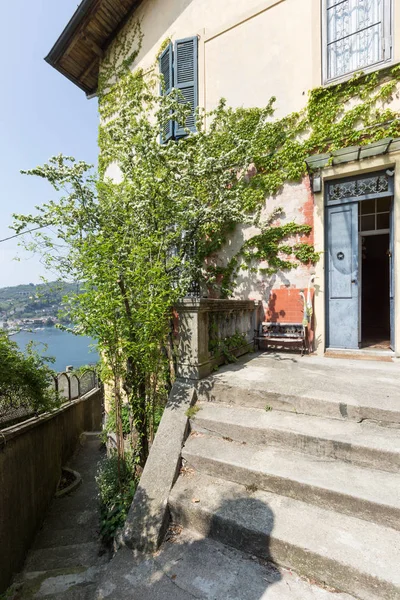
(41, 114)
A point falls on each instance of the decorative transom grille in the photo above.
(340, 190)
(356, 35)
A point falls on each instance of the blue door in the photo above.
(391, 267)
(342, 267)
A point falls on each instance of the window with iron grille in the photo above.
(178, 66)
(358, 36)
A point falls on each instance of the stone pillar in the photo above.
(194, 357)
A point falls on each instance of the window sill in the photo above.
(388, 64)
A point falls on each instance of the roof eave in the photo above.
(89, 92)
(70, 29)
(75, 33)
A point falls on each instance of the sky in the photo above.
(41, 114)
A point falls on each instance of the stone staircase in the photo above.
(316, 493)
(67, 558)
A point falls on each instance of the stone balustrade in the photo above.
(206, 326)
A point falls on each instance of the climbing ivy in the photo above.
(255, 153)
(137, 242)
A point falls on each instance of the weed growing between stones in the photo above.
(192, 411)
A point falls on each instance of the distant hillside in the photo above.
(31, 301)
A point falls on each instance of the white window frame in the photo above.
(387, 42)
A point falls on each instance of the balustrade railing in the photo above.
(210, 330)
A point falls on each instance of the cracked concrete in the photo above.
(191, 566)
(327, 387)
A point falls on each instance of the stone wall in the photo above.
(31, 456)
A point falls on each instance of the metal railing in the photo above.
(71, 385)
(68, 384)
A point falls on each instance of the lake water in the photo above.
(66, 348)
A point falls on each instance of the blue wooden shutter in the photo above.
(186, 78)
(166, 70)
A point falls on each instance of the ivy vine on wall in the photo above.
(258, 153)
(136, 243)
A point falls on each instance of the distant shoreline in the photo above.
(65, 347)
(30, 305)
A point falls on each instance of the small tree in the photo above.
(136, 243)
(24, 379)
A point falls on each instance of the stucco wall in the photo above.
(262, 56)
(279, 293)
(31, 456)
(250, 50)
(244, 47)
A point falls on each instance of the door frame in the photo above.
(362, 234)
(392, 273)
(390, 192)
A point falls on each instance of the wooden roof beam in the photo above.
(82, 26)
(90, 43)
(86, 37)
(88, 69)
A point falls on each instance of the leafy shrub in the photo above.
(117, 485)
(24, 378)
(225, 347)
(156, 416)
(110, 425)
(90, 367)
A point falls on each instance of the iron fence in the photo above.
(69, 385)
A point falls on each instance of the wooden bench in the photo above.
(281, 334)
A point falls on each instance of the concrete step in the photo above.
(335, 388)
(73, 555)
(192, 566)
(84, 592)
(71, 584)
(56, 537)
(349, 554)
(366, 444)
(72, 503)
(365, 493)
(259, 398)
(86, 519)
